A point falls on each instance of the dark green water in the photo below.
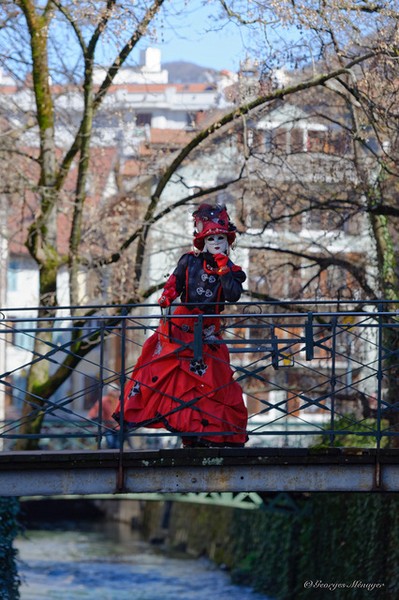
(93, 561)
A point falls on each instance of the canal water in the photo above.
(89, 560)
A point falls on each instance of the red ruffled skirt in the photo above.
(169, 389)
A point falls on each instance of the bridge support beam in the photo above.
(198, 470)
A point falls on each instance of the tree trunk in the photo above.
(386, 261)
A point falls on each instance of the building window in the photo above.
(317, 141)
(276, 140)
(286, 141)
(12, 276)
(143, 119)
(23, 334)
(296, 140)
(314, 219)
(190, 119)
(18, 385)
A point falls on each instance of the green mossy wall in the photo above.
(327, 539)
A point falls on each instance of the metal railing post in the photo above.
(377, 471)
(198, 343)
(122, 379)
(274, 338)
(380, 376)
(333, 379)
(309, 341)
(100, 400)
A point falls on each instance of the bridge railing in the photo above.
(312, 374)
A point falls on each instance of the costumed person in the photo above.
(169, 388)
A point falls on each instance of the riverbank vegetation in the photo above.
(295, 546)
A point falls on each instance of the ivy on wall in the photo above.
(9, 529)
(345, 539)
(295, 545)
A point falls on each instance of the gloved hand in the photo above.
(168, 295)
(221, 260)
(164, 301)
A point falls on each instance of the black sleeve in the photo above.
(232, 283)
(176, 283)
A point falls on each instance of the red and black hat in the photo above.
(210, 220)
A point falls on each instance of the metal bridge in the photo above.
(319, 380)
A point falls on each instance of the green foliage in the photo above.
(330, 538)
(9, 529)
(354, 438)
(267, 551)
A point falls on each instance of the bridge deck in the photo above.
(199, 470)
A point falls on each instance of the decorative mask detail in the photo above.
(216, 243)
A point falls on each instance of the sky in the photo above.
(184, 30)
(194, 36)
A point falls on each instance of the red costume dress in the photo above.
(170, 388)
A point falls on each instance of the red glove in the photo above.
(221, 261)
(169, 293)
(164, 302)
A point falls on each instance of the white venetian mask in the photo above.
(216, 243)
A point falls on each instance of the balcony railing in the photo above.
(312, 374)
